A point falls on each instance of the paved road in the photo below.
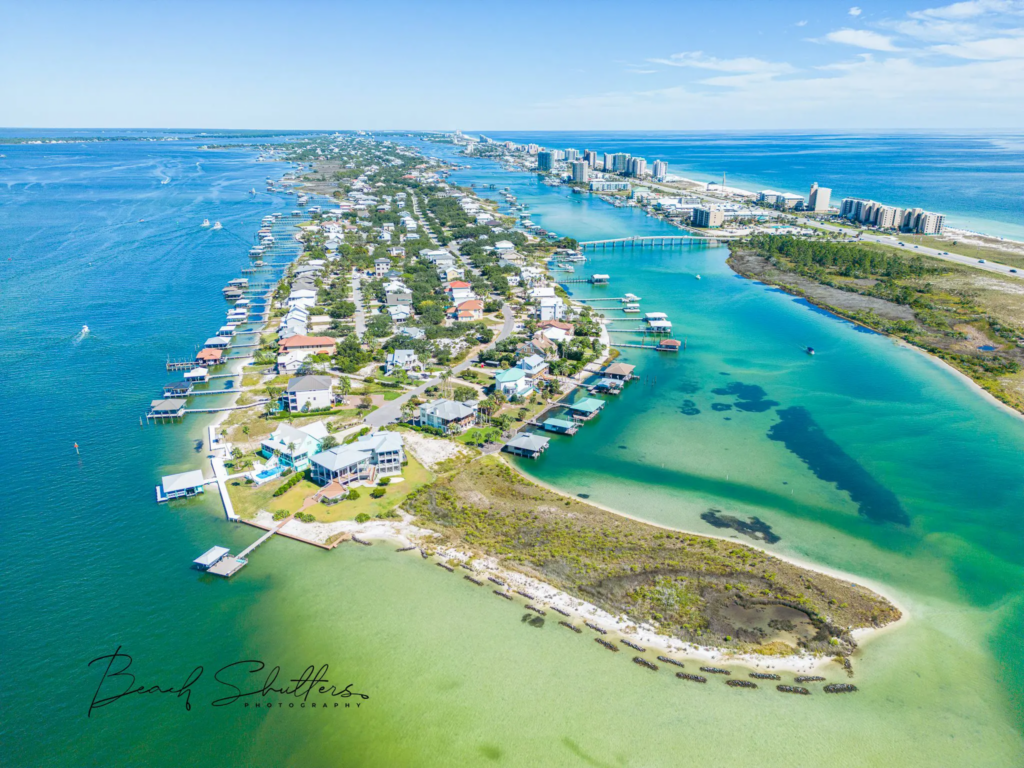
(392, 410)
(990, 266)
(357, 299)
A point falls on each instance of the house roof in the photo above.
(560, 423)
(587, 405)
(620, 369)
(527, 441)
(381, 442)
(555, 324)
(339, 457)
(310, 384)
(295, 342)
(210, 354)
(459, 284)
(448, 410)
(510, 376)
(470, 305)
(182, 481)
(211, 556)
(167, 405)
(533, 361)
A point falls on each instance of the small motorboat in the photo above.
(85, 329)
(810, 350)
(206, 222)
(698, 277)
(216, 225)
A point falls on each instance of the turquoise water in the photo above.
(91, 562)
(976, 180)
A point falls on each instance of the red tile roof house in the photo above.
(315, 344)
(467, 310)
(556, 324)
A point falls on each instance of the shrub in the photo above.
(384, 481)
(376, 493)
(281, 514)
(288, 484)
(362, 517)
(353, 494)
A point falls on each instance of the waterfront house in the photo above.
(623, 371)
(448, 415)
(404, 359)
(314, 344)
(534, 365)
(294, 445)
(309, 393)
(340, 466)
(513, 383)
(180, 486)
(542, 292)
(527, 444)
(586, 409)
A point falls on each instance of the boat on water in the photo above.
(810, 350)
(206, 222)
(216, 225)
(252, 191)
(698, 277)
(85, 329)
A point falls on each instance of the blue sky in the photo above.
(513, 66)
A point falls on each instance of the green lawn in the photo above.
(480, 435)
(416, 476)
(248, 499)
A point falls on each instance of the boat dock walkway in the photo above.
(220, 474)
(262, 401)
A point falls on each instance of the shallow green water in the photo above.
(454, 675)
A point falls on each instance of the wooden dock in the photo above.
(262, 401)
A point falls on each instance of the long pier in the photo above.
(646, 242)
(262, 401)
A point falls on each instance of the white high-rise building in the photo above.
(572, 155)
(929, 223)
(660, 170)
(580, 171)
(590, 156)
(819, 198)
(609, 162)
(637, 167)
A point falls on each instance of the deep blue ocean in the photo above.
(977, 181)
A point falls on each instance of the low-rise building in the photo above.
(310, 393)
(448, 415)
(514, 382)
(376, 455)
(405, 359)
(292, 446)
(467, 311)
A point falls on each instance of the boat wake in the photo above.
(81, 335)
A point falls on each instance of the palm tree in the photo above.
(446, 376)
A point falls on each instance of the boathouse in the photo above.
(527, 444)
(217, 342)
(586, 409)
(611, 386)
(166, 409)
(622, 371)
(197, 375)
(561, 426)
(210, 558)
(669, 345)
(178, 389)
(600, 279)
(209, 357)
(180, 486)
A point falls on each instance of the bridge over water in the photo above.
(648, 242)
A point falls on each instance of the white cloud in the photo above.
(802, 23)
(966, 10)
(642, 71)
(698, 60)
(990, 49)
(862, 38)
(855, 11)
